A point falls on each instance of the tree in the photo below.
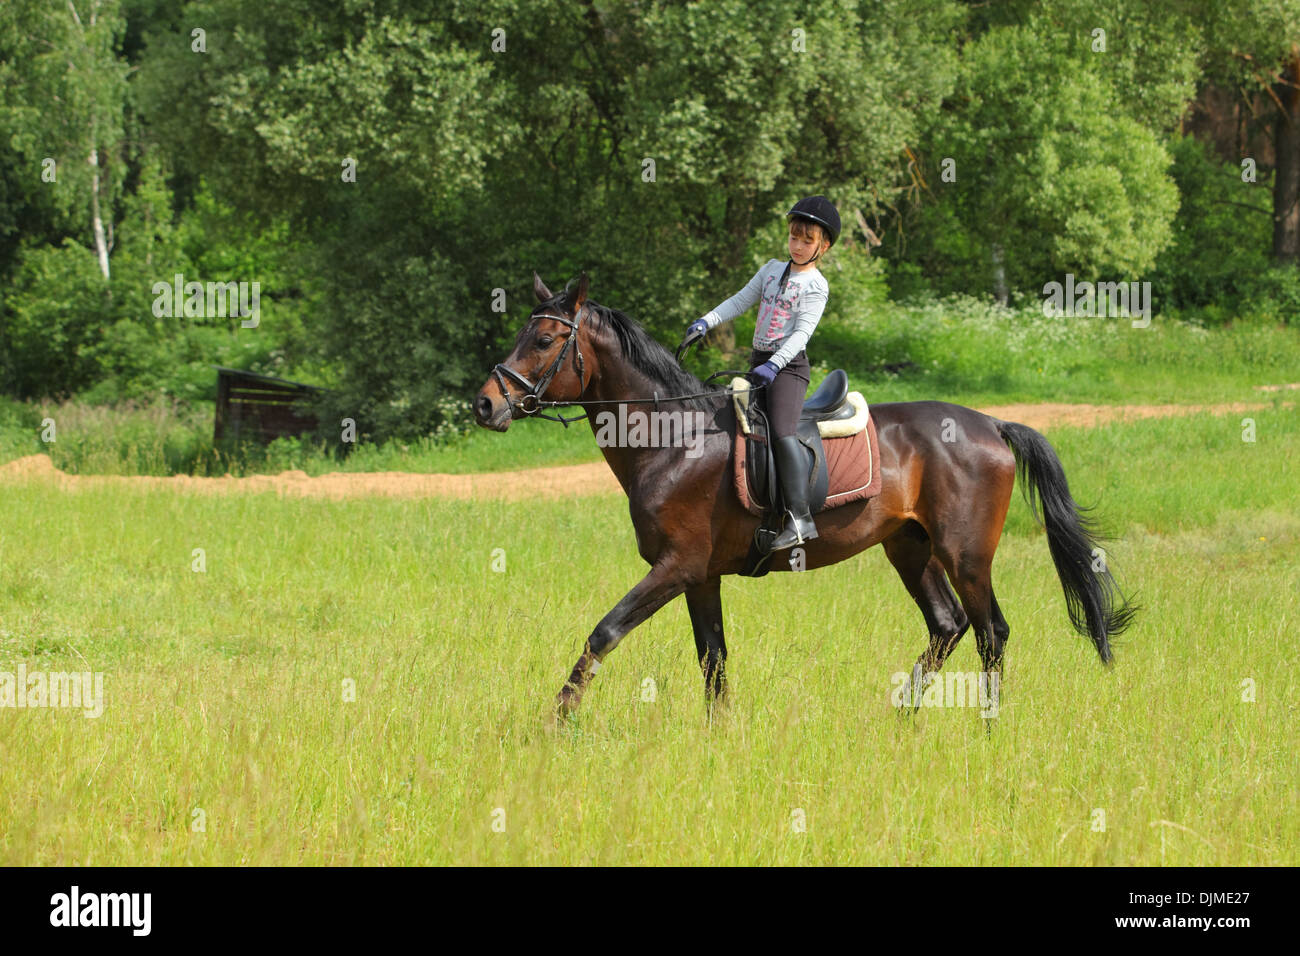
(1045, 159)
(511, 135)
(62, 96)
(1255, 46)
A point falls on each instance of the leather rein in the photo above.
(532, 403)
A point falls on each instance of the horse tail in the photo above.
(1098, 609)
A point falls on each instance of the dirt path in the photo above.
(587, 479)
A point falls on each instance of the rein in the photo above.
(532, 403)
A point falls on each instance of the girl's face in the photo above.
(806, 241)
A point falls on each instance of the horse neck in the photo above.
(617, 381)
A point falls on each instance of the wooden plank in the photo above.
(259, 392)
(250, 407)
(223, 400)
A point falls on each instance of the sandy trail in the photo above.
(586, 479)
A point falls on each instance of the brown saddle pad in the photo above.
(853, 462)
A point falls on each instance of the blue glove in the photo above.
(763, 374)
(698, 327)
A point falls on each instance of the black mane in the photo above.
(649, 357)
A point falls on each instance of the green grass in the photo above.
(224, 688)
(1172, 474)
(975, 353)
(957, 350)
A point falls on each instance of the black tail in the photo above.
(1098, 610)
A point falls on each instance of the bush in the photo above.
(1220, 248)
(857, 281)
(1274, 295)
(58, 304)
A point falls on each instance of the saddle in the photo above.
(835, 428)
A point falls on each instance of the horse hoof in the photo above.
(566, 702)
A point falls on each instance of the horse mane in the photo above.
(652, 359)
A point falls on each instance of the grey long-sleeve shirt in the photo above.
(785, 320)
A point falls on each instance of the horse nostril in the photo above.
(484, 408)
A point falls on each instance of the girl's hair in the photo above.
(807, 229)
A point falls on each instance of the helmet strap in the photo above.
(813, 258)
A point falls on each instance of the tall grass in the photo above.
(227, 739)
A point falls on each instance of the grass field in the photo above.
(226, 738)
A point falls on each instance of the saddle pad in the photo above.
(740, 390)
(854, 464)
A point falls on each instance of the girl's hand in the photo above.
(698, 327)
(763, 374)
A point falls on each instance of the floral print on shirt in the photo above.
(776, 308)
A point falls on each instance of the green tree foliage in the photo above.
(62, 98)
(1041, 164)
(388, 170)
(1220, 246)
(498, 138)
(1254, 47)
(364, 130)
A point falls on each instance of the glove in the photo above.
(763, 374)
(698, 327)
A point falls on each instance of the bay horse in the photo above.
(948, 473)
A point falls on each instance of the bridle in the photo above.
(531, 403)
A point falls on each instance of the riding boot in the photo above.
(792, 470)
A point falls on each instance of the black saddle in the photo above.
(831, 400)
(829, 403)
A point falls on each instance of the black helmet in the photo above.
(821, 211)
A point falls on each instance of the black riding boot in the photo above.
(792, 469)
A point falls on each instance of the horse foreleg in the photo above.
(664, 582)
(705, 604)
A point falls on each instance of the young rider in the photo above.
(791, 297)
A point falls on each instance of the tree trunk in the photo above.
(97, 220)
(1286, 186)
(1000, 291)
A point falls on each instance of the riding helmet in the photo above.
(821, 211)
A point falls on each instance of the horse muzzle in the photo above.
(492, 412)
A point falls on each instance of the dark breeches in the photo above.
(783, 399)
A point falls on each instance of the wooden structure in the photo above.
(260, 408)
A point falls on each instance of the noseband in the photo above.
(531, 402)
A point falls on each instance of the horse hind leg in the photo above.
(971, 574)
(1001, 629)
(991, 657)
(911, 554)
(966, 552)
(954, 621)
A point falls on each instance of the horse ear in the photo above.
(580, 296)
(539, 288)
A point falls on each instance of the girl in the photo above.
(792, 296)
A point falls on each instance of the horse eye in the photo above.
(545, 342)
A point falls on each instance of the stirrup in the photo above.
(797, 530)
